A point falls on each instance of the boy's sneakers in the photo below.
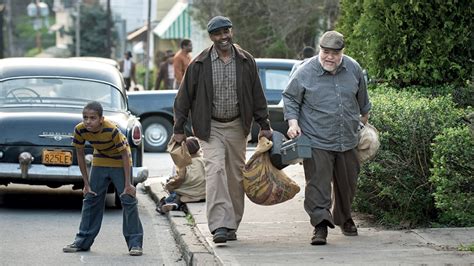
(136, 251)
(169, 207)
(71, 248)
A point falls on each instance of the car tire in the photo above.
(157, 133)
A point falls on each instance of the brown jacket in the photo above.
(180, 63)
(195, 96)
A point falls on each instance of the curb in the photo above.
(191, 244)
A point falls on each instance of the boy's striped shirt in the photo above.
(108, 143)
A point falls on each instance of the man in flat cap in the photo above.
(221, 90)
(325, 100)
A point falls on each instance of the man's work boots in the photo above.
(320, 234)
(220, 235)
(349, 228)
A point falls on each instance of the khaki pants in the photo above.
(342, 168)
(224, 154)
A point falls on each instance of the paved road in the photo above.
(36, 222)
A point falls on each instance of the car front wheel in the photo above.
(157, 133)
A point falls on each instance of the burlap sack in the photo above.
(179, 153)
(263, 183)
(368, 143)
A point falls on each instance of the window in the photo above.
(276, 79)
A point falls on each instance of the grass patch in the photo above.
(469, 247)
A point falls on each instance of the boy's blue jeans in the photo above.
(93, 209)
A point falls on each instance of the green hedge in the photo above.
(452, 175)
(141, 73)
(411, 42)
(395, 186)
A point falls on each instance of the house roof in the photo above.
(176, 24)
(137, 34)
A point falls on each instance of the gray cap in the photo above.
(218, 22)
(332, 40)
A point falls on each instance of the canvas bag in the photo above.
(263, 183)
(368, 142)
(179, 153)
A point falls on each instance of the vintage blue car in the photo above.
(41, 100)
(155, 108)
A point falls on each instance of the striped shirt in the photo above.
(108, 144)
(225, 104)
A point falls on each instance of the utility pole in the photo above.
(147, 46)
(38, 25)
(11, 52)
(78, 28)
(109, 31)
(2, 8)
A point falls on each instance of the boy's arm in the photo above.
(176, 181)
(129, 188)
(81, 161)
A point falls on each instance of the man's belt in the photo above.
(225, 120)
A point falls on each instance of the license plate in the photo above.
(57, 157)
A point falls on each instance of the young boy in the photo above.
(111, 163)
(189, 184)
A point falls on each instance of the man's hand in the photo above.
(364, 119)
(87, 189)
(130, 190)
(294, 129)
(179, 137)
(266, 133)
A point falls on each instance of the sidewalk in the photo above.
(281, 234)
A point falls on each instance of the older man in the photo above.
(222, 91)
(325, 100)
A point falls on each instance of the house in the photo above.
(177, 24)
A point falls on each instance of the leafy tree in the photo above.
(411, 42)
(271, 28)
(93, 32)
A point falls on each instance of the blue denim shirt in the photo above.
(328, 106)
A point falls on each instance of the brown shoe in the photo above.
(349, 228)
(320, 234)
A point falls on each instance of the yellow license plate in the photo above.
(57, 157)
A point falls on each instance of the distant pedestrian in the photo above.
(111, 163)
(325, 100)
(181, 61)
(306, 54)
(166, 73)
(221, 90)
(127, 67)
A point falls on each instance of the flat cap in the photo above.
(218, 22)
(332, 40)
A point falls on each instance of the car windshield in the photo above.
(59, 92)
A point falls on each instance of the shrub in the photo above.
(414, 42)
(141, 74)
(463, 96)
(452, 176)
(395, 185)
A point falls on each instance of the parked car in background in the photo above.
(155, 108)
(41, 101)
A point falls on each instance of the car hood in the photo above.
(45, 127)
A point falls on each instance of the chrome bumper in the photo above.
(68, 175)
